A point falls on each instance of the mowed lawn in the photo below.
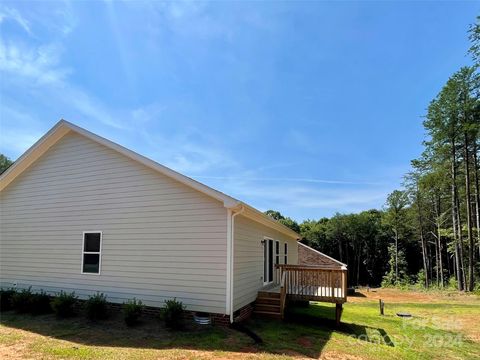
(444, 326)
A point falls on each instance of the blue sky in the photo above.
(306, 107)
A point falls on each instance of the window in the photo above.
(277, 252)
(286, 253)
(91, 252)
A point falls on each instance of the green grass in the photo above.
(433, 332)
(442, 327)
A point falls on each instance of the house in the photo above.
(81, 213)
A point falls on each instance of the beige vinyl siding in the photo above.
(248, 258)
(161, 239)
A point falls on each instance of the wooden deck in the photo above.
(307, 283)
(313, 293)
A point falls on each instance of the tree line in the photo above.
(429, 230)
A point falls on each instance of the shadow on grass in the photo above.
(305, 332)
(324, 317)
(357, 294)
(278, 337)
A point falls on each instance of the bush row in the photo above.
(96, 307)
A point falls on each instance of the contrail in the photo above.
(307, 180)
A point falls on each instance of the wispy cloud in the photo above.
(31, 66)
(188, 151)
(7, 13)
(288, 179)
(39, 65)
(298, 199)
(119, 41)
(171, 120)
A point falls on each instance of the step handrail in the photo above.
(283, 293)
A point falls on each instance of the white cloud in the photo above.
(37, 64)
(300, 197)
(188, 18)
(69, 20)
(187, 151)
(7, 13)
(292, 179)
(28, 66)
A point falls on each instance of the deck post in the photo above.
(338, 313)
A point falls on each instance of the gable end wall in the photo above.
(161, 239)
(308, 256)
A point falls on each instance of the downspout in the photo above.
(229, 259)
(232, 255)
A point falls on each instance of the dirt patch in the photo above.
(469, 328)
(305, 342)
(294, 354)
(249, 349)
(19, 349)
(395, 295)
(333, 355)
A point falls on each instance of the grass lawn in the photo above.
(444, 326)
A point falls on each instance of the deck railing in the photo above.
(312, 283)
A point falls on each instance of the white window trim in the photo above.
(92, 252)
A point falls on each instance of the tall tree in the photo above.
(474, 36)
(396, 219)
(417, 200)
(288, 222)
(443, 127)
(5, 163)
(466, 83)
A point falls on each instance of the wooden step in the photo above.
(273, 295)
(266, 300)
(268, 314)
(267, 308)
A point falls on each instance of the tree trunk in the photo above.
(437, 270)
(424, 255)
(456, 236)
(438, 211)
(340, 252)
(396, 256)
(468, 204)
(358, 264)
(461, 245)
(477, 193)
(422, 240)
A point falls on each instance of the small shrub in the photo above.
(96, 307)
(476, 291)
(6, 299)
(132, 310)
(64, 304)
(22, 300)
(421, 279)
(173, 314)
(40, 303)
(452, 283)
